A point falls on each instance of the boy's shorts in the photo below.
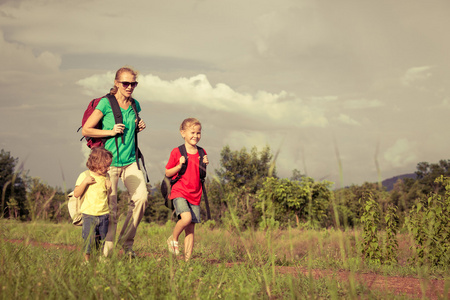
(182, 205)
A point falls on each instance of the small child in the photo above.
(186, 193)
(95, 208)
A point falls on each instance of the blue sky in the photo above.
(322, 82)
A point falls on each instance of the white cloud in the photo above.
(401, 153)
(97, 84)
(247, 139)
(284, 109)
(18, 58)
(416, 74)
(347, 120)
(49, 60)
(362, 104)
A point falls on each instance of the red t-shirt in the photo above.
(188, 186)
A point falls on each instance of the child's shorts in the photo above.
(94, 230)
(182, 205)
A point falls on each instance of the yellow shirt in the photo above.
(95, 201)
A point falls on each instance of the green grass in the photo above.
(225, 265)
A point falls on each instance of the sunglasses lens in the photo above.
(125, 84)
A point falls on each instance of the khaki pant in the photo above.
(134, 181)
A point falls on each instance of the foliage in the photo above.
(236, 183)
(405, 195)
(429, 225)
(220, 268)
(391, 244)
(287, 201)
(242, 169)
(156, 211)
(370, 220)
(12, 187)
(427, 173)
(241, 212)
(45, 202)
(349, 205)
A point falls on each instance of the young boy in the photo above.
(96, 187)
(186, 193)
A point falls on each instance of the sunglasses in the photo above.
(125, 84)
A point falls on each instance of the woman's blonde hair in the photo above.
(188, 123)
(99, 159)
(126, 69)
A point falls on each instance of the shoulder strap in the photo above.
(201, 164)
(137, 151)
(133, 105)
(117, 113)
(202, 167)
(116, 110)
(183, 152)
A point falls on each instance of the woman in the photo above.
(124, 163)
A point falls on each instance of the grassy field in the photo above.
(227, 264)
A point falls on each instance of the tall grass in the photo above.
(226, 265)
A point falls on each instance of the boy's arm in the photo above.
(177, 168)
(79, 189)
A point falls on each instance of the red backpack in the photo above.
(100, 142)
(93, 142)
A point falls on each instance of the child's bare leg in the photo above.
(87, 256)
(185, 220)
(189, 241)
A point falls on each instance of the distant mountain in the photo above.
(389, 183)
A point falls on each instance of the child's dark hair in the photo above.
(189, 122)
(99, 159)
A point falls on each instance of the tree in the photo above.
(285, 200)
(240, 168)
(12, 187)
(233, 190)
(427, 173)
(297, 175)
(348, 203)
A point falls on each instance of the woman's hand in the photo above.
(117, 129)
(141, 125)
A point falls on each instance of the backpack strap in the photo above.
(118, 119)
(183, 152)
(201, 164)
(202, 167)
(137, 151)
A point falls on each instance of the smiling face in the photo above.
(192, 134)
(125, 84)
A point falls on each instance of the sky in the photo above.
(347, 91)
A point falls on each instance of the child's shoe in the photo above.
(173, 245)
(103, 259)
(129, 252)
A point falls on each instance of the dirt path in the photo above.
(409, 286)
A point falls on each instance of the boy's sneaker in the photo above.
(173, 245)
